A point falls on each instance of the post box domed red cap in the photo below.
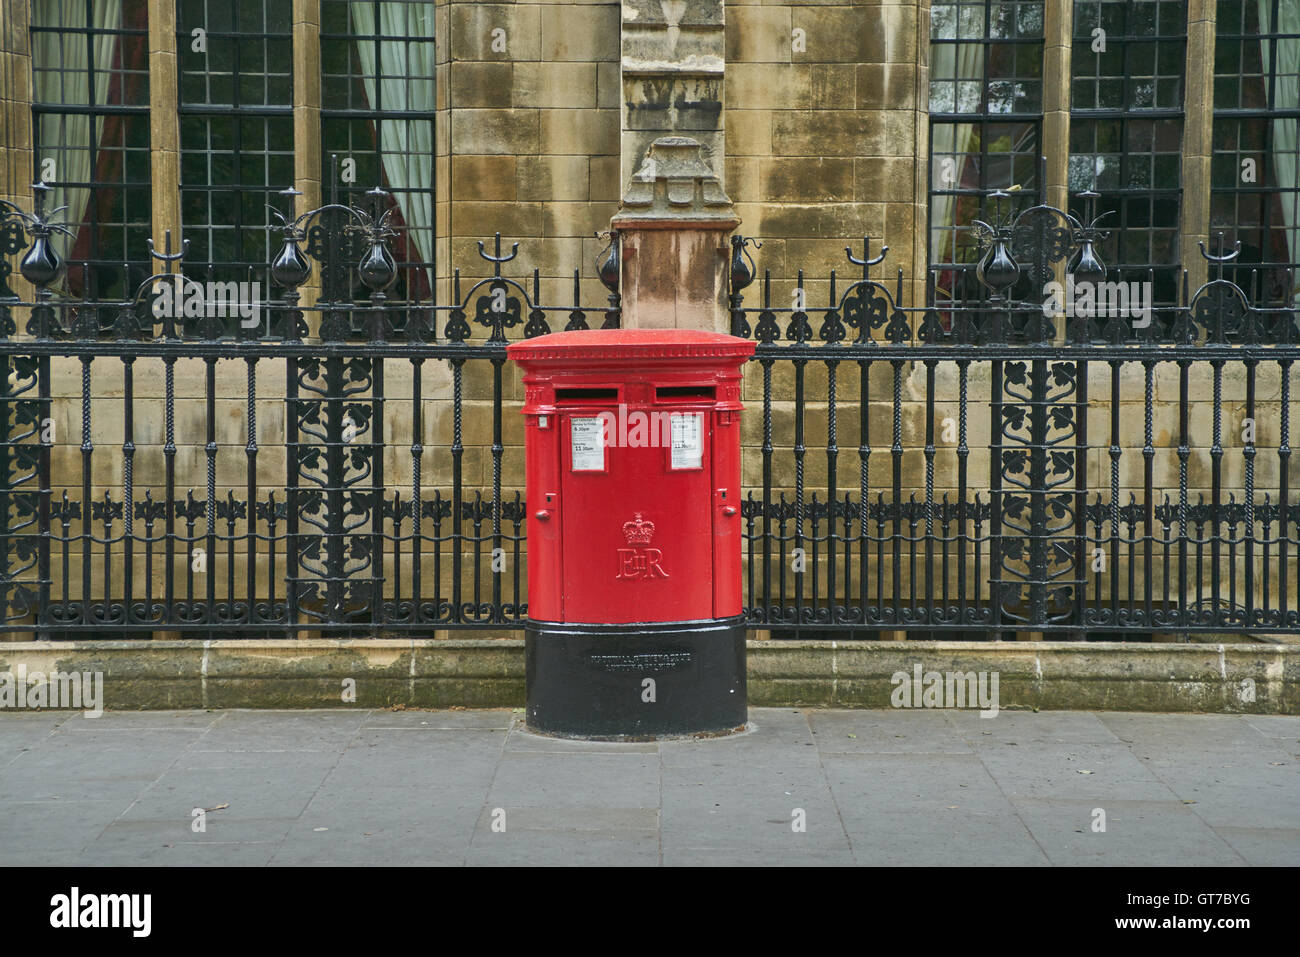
(620, 351)
(603, 345)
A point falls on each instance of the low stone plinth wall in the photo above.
(489, 673)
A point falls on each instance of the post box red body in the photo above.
(634, 531)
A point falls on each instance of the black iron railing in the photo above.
(327, 538)
(1200, 537)
(924, 469)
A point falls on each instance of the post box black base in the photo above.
(636, 681)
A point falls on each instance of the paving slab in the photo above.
(1285, 726)
(948, 837)
(393, 827)
(556, 779)
(1263, 847)
(1204, 731)
(501, 719)
(901, 782)
(887, 732)
(563, 849)
(87, 775)
(1137, 833)
(44, 831)
(137, 720)
(180, 854)
(1030, 728)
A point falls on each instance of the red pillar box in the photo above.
(634, 531)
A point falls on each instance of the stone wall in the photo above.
(530, 145)
(825, 119)
(15, 102)
(477, 673)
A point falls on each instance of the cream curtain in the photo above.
(1286, 96)
(402, 80)
(965, 61)
(65, 137)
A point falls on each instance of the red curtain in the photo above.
(125, 88)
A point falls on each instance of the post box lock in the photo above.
(729, 510)
(543, 515)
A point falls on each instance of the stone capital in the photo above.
(675, 188)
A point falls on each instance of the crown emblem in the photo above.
(638, 531)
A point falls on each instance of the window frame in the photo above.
(98, 263)
(354, 194)
(243, 266)
(1126, 116)
(1265, 194)
(963, 285)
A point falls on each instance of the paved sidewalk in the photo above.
(425, 787)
